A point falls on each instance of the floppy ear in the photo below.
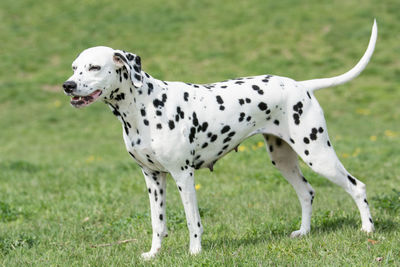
(132, 64)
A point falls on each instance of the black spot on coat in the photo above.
(262, 106)
(171, 124)
(225, 129)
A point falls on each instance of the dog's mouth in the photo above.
(83, 101)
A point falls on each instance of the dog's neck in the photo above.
(128, 102)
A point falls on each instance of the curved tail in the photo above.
(351, 74)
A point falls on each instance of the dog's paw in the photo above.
(149, 255)
(298, 233)
(195, 250)
(368, 228)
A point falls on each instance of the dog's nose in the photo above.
(69, 86)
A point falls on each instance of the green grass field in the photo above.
(67, 183)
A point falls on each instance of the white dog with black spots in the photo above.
(176, 127)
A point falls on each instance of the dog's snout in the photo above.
(69, 86)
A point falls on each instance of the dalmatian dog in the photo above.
(176, 128)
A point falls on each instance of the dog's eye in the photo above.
(95, 68)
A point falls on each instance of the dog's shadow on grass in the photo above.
(232, 242)
(335, 224)
(332, 225)
(386, 226)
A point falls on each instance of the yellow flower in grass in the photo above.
(93, 158)
(373, 138)
(241, 148)
(363, 111)
(90, 159)
(57, 103)
(198, 186)
(345, 155)
(260, 144)
(356, 152)
(390, 133)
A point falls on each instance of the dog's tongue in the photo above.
(96, 94)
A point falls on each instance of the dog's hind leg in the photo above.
(286, 160)
(323, 160)
(156, 186)
(311, 143)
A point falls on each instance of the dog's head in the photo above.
(100, 70)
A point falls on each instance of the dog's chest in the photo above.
(140, 149)
(137, 138)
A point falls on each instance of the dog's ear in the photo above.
(133, 65)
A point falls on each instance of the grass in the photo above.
(67, 183)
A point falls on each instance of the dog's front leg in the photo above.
(156, 186)
(185, 182)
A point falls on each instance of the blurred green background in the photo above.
(66, 181)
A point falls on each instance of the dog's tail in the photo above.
(316, 84)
